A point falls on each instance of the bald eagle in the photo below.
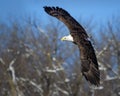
(78, 35)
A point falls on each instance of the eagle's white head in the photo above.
(67, 38)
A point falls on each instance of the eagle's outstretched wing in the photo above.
(67, 19)
(89, 65)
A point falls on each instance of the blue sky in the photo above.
(99, 10)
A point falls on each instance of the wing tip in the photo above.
(51, 9)
(48, 9)
(93, 79)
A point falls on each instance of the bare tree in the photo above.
(34, 62)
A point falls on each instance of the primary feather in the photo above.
(89, 65)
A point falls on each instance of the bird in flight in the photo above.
(78, 35)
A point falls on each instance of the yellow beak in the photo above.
(62, 39)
